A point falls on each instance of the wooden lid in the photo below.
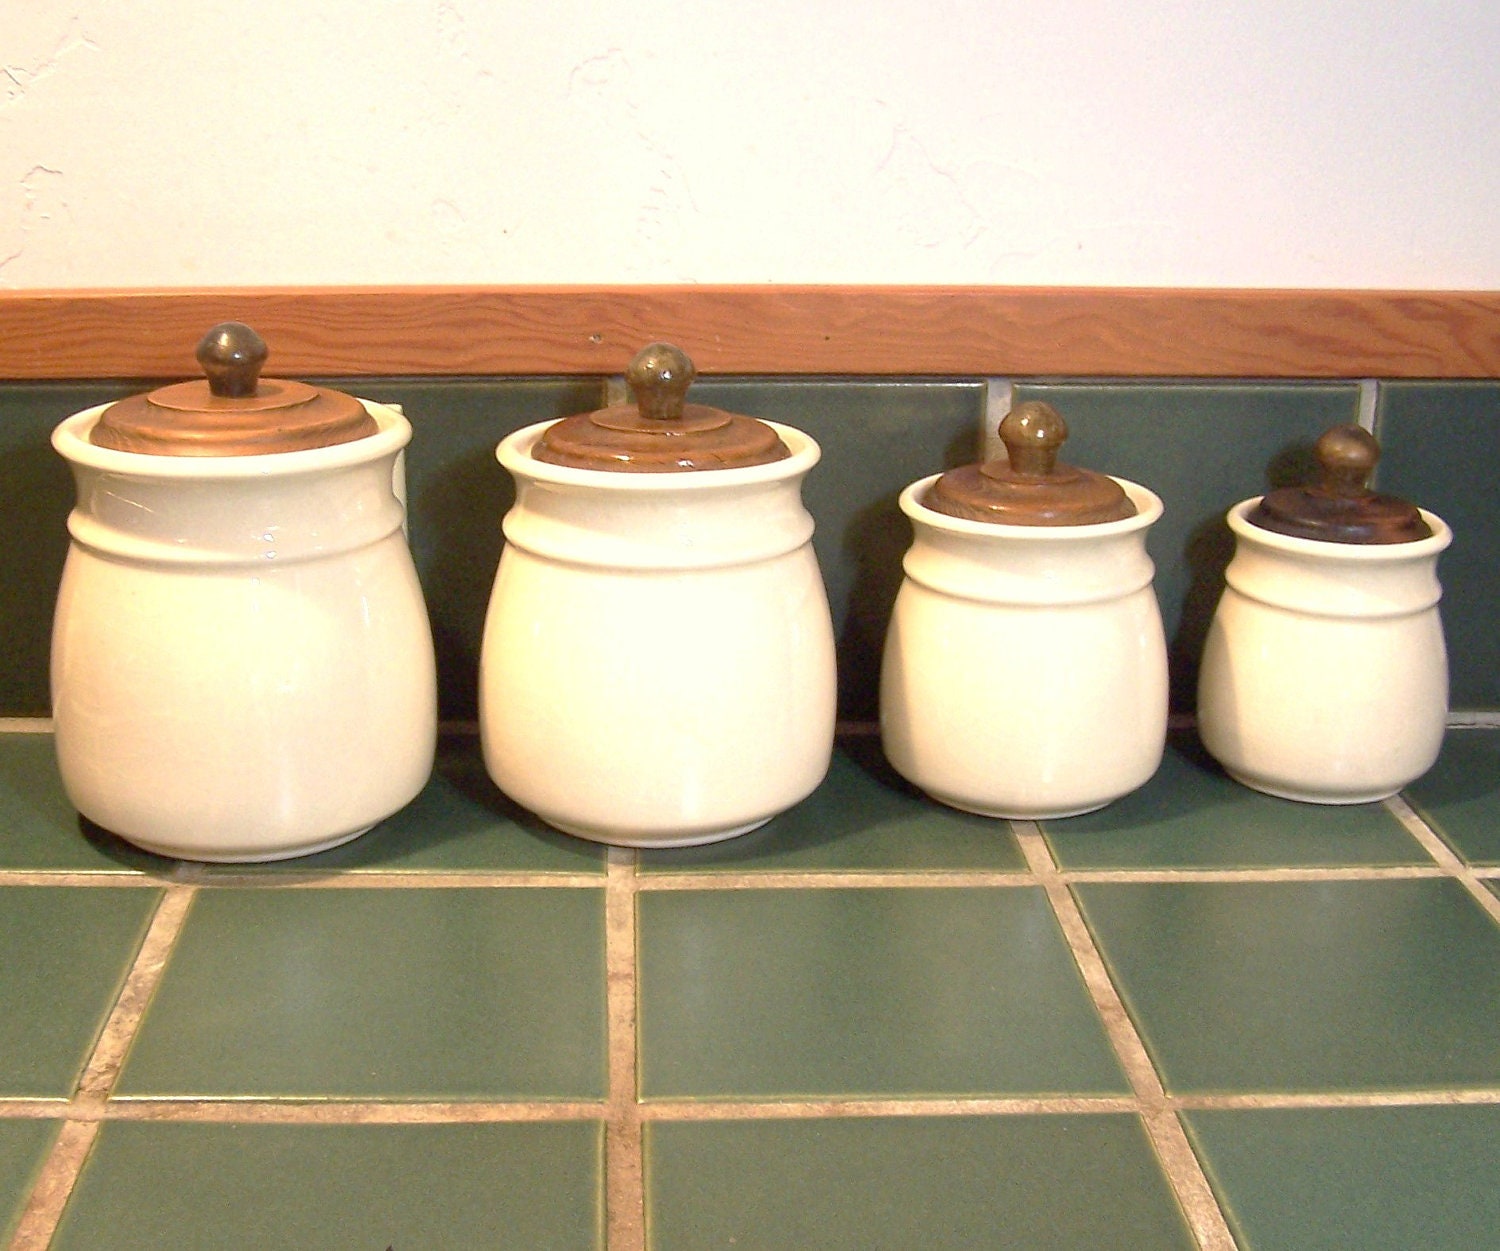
(1032, 488)
(234, 412)
(660, 432)
(1341, 508)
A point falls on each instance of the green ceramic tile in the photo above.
(457, 494)
(1032, 1183)
(459, 823)
(1379, 1179)
(67, 950)
(1201, 446)
(1306, 986)
(38, 493)
(404, 994)
(39, 828)
(1460, 797)
(864, 818)
(395, 1187)
(877, 436)
(1193, 815)
(1439, 440)
(23, 1149)
(758, 993)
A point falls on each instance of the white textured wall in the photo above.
(1160, 142)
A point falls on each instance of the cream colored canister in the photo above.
(1025, 669)
(658, 663)
(242, 667)
(1324, 674)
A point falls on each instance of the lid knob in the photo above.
(235, 412)
(232, 356)
(659, 376)
(1341, 508)
(1033, 434)
(661, 432)
(1031, 487)
(1347, 456)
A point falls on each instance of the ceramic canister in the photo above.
(658, 665)
(1025, 669)
(242, 667)
(1324, 674)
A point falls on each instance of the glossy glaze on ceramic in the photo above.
(657, 666)
(1325, 676)
(242, 667)
(1025, 670)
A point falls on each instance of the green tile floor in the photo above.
(1199, 1017)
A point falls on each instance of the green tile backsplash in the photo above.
(1201, 445)
(1440, 444)
(37, 491)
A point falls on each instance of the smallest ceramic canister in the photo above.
(1325, 676)
(1025, 669)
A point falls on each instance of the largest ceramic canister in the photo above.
(658, 665)
(242, 667)
(1325, 675)
(1025, 669)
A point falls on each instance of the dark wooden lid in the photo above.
(234, 412)
(660, 432)
(1030, 488)
(1340, 508)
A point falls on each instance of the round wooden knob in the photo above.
(1347, 456)
(1033, 433)
(232, 355)
(659, 376)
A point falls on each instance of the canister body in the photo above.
(657, 666)
(1025, 670)
(242, 667)
(1324, 674)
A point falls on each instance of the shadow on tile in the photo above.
(460, 822)
(864, 817)
(1193, 815)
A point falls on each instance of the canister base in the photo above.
(1011, 815)
(623, 840)
(1310, 797)
(259, 857)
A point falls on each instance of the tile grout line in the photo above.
(797, 879)
(818, 879)
(59, 1173)
(1448, 860)
(1183, 1171)
(624, 1166)
(689, 1109)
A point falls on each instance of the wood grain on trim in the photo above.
(767, 330)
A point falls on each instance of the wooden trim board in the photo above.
(898, 331)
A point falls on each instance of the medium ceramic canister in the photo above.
(1324, 674)
(242, 667)
(658, 665)
(1025, 669)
